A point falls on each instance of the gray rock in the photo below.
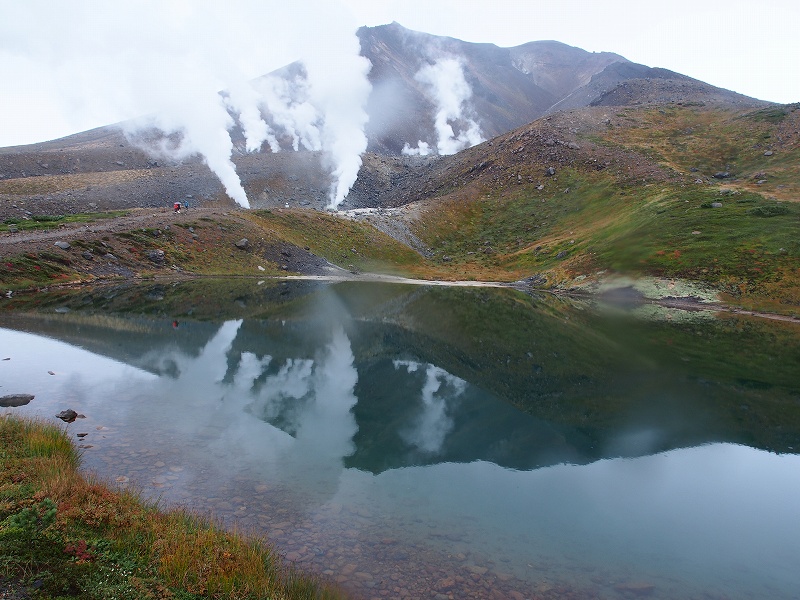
(768, 153)
(156, 256)
(13, 400)
(87, 255)
(68, 416)
(550, 171)
(243, 244)
(721, 175)
(13, 229)
(63, 245)
(716, 205)
(561, 254)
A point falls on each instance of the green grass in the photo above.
(748, 246)
(65, 536)
(348, 244)
(36, 222)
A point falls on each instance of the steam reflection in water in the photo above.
(227, 420)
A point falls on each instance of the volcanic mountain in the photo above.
(509, 87)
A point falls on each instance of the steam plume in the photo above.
(451, 93)
(87, 64)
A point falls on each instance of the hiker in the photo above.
(176, 206)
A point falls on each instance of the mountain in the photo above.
(599, 165)
(510, 87)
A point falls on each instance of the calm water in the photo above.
(413, 442)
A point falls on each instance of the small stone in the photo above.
(87, 255)
(768, 153)
(716, 205)
(13, 229)
(243, 244)
(721, 175)
(550, 171)
(63, 245)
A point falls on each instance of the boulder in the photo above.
(13, 400)
(68, 416)
(62, 245)
(243, 244)
(156, 256)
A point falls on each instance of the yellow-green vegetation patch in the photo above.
(740, 242)
(65, 536)
(751, 150)
(12, 224)
(349, 244)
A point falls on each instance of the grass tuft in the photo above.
(64, 535)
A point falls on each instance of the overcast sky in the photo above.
(73, 65)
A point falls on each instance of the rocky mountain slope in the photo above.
(510, 87)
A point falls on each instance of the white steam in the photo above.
(433, 423)
(422, 149)
(450, 92)
(83, 64)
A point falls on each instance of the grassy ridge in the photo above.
(64, 536)
(738, 234)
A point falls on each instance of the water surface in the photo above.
(411, 442)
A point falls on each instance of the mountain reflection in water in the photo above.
(457, 420)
